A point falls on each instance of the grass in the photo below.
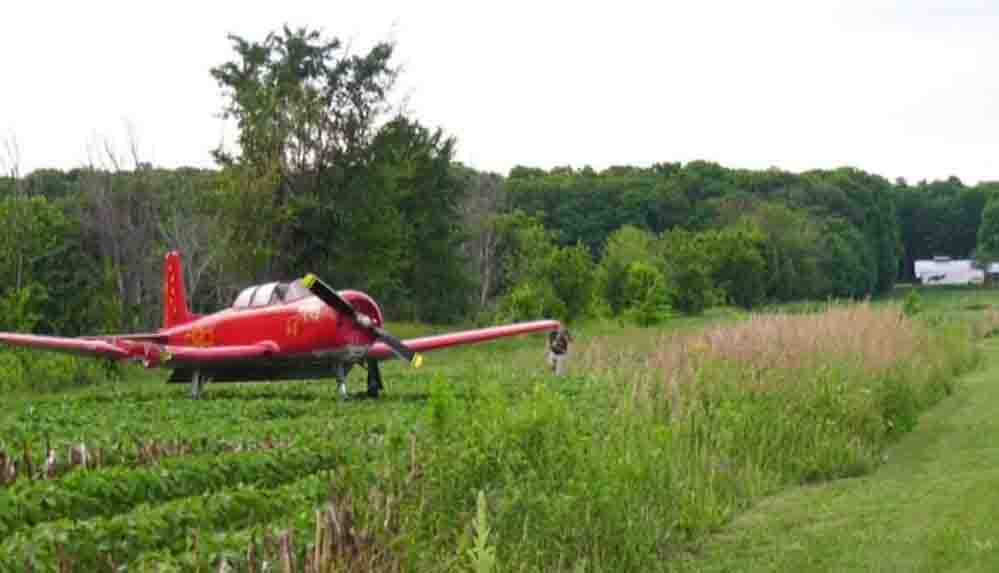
(658, 438)
(930, 507)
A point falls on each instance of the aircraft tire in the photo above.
(374, 379)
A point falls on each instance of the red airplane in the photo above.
(301, 329)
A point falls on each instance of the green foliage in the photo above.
(291, 201)
(548, 280)
(913, 303)
(625, 246)
(429, 273)
(571, 276)
(528, 249)
(324, 182)
(20, 309)
(738, 266)
(89, 494)
(987, 249)
(793, 252)
(124, 537)
(12, 371)
(26, 371)
(645, 293)
(482, 555)
(532, 301)
(846, 262)
(688, 270)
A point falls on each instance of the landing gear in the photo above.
(197, 384)
(341, 380)
(374, 379)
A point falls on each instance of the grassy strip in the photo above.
(106, 492)
(98, 543)
(930, 507)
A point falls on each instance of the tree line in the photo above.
(327, 176)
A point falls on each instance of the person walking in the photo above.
(558, 350)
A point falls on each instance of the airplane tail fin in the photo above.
(175, 309)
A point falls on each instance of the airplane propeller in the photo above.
(329, 296)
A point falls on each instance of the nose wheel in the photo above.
(341, 372)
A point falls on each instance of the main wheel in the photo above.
(197, 384)
(374, 379)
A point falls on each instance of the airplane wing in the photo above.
(88, 347)
(136, 348)
(381, 351)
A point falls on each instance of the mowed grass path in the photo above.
(932, 506)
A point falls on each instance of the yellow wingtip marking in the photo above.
(309, 280)
(417, 360)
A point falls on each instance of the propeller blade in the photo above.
(329, 296)
(399, 347)
(326, 294)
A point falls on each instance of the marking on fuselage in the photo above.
(311, 311)
(293, 328)
(201, 336)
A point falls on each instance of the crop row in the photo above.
(304, 538)
(26, 466)
(121, 429)
(82, 495)
(105, 543)
(64, 422)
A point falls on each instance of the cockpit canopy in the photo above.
(270, 293)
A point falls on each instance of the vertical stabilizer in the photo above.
(175, 309)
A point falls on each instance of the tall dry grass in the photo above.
(872, 339)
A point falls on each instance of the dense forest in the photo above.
(330, 178)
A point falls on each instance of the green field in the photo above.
(930, 507)
(482, 455)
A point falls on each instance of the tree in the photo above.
(118, 221)
(325, 178)
(415, 162)
(738, 266)
(987, 251)
(687, 267)
(625, 246)
(571, 276)
(645, 290)
(307, 113)
(482, 212)
(793, 250)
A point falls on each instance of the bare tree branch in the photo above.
(132, 137)
(112, 155)
(12, 164)
(12, 153)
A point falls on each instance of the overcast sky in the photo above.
(904, 89)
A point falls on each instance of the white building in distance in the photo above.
(947, 271)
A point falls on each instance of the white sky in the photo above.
(907, 88)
